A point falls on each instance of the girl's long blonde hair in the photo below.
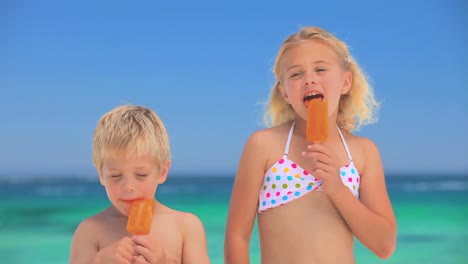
(356, 108)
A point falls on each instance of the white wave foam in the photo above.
(449, 186)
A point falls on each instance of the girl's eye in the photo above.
(116, 176)
(295, 75)
(320, 70)
(142, 175)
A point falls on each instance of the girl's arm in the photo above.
(244, 201)
(372, 219)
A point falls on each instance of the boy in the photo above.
(132, 156)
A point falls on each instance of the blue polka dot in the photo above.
(273, 201)
(285, 198)
(309, 188)
(297, 193)
(290, 178)
(278, 177)
(343, 173)
(268, 178)
(263, 203)
(352, 171)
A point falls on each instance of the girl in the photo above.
(312, 199)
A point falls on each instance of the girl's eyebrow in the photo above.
(321, 61)
(315, 62)
(294, 66)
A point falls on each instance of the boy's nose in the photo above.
(128, 186)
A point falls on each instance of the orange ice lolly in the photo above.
(317, 120)
(139, 219)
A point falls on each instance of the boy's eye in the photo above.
(142, 175)
(116, 175)
(320, 70)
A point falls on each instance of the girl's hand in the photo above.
(120, 252)
(325, 166)
(147, 251)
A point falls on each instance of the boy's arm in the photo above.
(84, 247)
(194, 247)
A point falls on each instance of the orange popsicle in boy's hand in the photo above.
(317, 120)
(139, 219)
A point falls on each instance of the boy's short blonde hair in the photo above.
(130, 129)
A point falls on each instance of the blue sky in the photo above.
(205, 67)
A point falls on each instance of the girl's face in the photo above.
(130, 177)
(312, 68)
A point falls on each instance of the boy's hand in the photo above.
(147, 251)
(121, 252)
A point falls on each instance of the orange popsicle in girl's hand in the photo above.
(139, 219)
(317, 120)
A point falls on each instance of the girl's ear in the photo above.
(283, 93)
(164, 171)
(347, 82)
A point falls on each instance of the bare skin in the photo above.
(318, 227)
(175, 237)
(311, 229)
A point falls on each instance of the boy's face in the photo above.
(130, 177)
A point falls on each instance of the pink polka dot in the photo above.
(294, 165)
(278, 193)
(316, 179)
(268, 195)
(347, 165)
(350, 179)
(306, 172)
(281, 161)
(289, 192)
(357, 179)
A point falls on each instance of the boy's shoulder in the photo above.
(186, 219)
(93, 223)
(188, 223)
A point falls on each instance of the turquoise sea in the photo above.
(38, 217)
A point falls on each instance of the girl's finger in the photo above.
(140, 260)
(320, 149)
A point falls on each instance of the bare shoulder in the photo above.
(363, 150)
(91, 225)
(85, 242)
(260, 145)
(264, 136)
(188, 222)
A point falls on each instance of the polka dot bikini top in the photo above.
(286, 181)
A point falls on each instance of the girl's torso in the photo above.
(297, 222)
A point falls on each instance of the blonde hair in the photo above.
(131, 129)
(356, 108)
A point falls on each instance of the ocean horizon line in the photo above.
(9, 178)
